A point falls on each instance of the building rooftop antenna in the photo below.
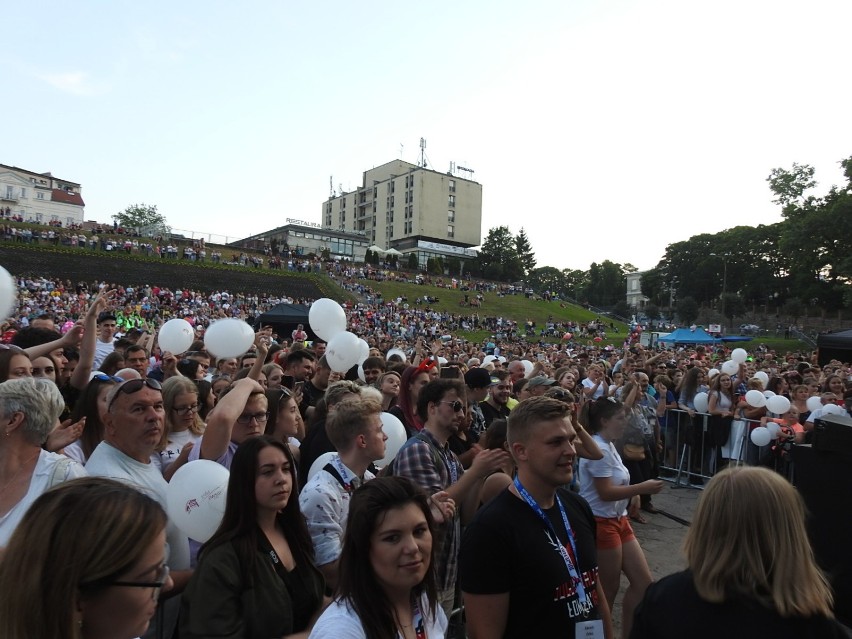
(423, 152)
(330, 186)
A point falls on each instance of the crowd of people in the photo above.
(524, 467)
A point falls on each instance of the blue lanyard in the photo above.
(573, 571)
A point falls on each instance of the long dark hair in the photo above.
(87, 406)
(357, 583)
(239, 523)
(594, 412)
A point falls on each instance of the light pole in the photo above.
(724, 257)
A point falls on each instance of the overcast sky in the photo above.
(607, 129)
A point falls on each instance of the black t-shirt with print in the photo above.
(508, 548)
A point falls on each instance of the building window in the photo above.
(39, 195)
(23, 192)
(452, 186)
(451, 232)
(451, 216)
(451, 201)
(10, 192)
(391, 201)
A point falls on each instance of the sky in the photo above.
(606, 129)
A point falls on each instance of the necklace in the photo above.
(17, 474)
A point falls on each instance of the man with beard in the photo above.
(495, 405)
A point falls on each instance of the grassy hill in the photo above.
(515, 307)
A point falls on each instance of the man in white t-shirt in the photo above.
(132, 428)
(107, 327)
(355, 429)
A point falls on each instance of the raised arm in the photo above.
(220, 422)
(81, 374)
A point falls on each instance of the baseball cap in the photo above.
(477, 378)
(540, 380)
(106, 315)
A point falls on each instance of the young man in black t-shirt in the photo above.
(523, 571)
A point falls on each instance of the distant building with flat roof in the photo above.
(40, 197)
(412, 209)
(298, 238)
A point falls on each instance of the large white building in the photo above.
(39, 197)
(412, 209)
(635, 298)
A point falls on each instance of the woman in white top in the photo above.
(386, 587)
(595, 385)
(29, 410)
(183, 426)
(605, 484)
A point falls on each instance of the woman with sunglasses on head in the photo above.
(256, 576)
(116, 538)
(183, 426)
(387, 584)
(285, 422)
(605, 484)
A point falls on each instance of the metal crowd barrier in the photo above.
(692, 453)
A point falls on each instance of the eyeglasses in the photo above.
(134, 386)
(260, 418)
(157, 585)
(458, 407)
(186, 410)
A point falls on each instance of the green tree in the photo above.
(687, 310)
(524, 250)
(789, 186)
(606, 284)
(453, 265)
(412, 262)
(546, 278)
(652, 311)
(142, 217)
(732, 305)
(497, 258)
(576, 283)
(435, 265)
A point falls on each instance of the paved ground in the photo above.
(662, 538)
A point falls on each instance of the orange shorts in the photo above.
(613, 532)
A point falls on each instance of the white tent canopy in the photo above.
(376, 249)
(393, 252)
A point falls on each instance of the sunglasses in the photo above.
(458, 407)
(103, 377)
(134, 386)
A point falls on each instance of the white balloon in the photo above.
(528, 367)
(833, 409)
(768, 394)
(342, 352)
(364, 352)
(319, 464)
(488, 359)
(8, 293)
(501, 359)
(228, 337)
(739, 355)
(397, 436)
(755, 399)
(814, 403)
(712, 373)
(760, 436)
(195, 498)
(730, 367)
(327, 318)
(442, 360)
(774, 430)
(778, 404)
(396, 351)
(701, 402)
(763, 377)
(361, 374)
(175, 336)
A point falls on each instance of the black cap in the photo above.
(477, 378)
(103, 316)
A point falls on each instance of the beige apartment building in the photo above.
(411, 209)
(39, 197)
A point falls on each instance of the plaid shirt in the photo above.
(416, 461)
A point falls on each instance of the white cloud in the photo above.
(73, 82)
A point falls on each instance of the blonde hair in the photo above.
(73, 541)
(748, 539)
(172, 387)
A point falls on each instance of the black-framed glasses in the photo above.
(158, 583)
(458, 407)
(134, 386)
(186, 410)
(260, 418)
